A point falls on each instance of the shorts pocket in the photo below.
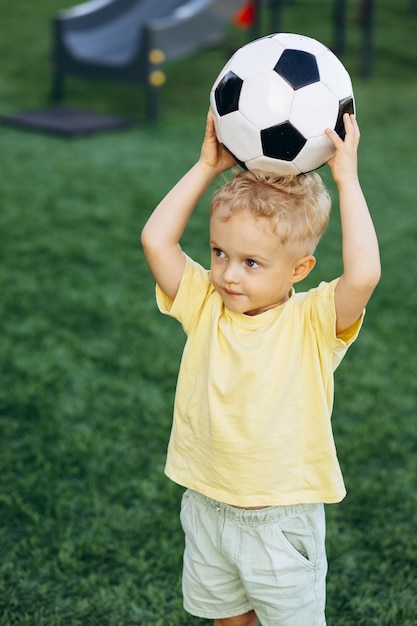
(186, 511)
(298, 538)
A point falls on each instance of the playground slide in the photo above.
(128, 40)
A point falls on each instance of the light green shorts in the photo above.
(271, 560)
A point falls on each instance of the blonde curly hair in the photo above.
(298, 206)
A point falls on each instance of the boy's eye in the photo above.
(217, 252)
(251, 263)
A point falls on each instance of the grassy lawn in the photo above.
(89, 526)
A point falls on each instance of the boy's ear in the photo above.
(303, 268)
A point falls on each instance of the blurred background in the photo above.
(89, 525)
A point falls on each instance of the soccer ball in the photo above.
(274, 99)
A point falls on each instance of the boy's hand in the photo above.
(344, 164)
(212, 152)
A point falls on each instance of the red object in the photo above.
(245, 16)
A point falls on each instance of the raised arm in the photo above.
(163, 230)
(361, 263)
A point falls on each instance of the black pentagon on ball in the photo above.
(298, 68)
(227, 93)
(345, 106)
(282, 141)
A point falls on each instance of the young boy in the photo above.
(251, 437)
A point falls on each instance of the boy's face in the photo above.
(250, 269)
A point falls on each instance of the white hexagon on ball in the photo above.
(334, 75)
(256, 57)
(314, 154)
(246, 138)
(299, 42)
(277, 98)
(314, 109)
(275, 167)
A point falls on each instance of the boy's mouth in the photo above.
(230, 292)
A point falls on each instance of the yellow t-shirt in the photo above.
(252, 415)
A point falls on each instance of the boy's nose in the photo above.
(231, 273)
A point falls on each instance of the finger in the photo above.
(351, 129)
(334, 137)
(350, 122)
(355, 125)
(210, 130)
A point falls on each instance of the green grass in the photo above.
(89, 525)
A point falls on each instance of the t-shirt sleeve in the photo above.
(324, 319)
(349, 335)
(194, 288)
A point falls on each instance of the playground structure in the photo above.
(129, 40)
